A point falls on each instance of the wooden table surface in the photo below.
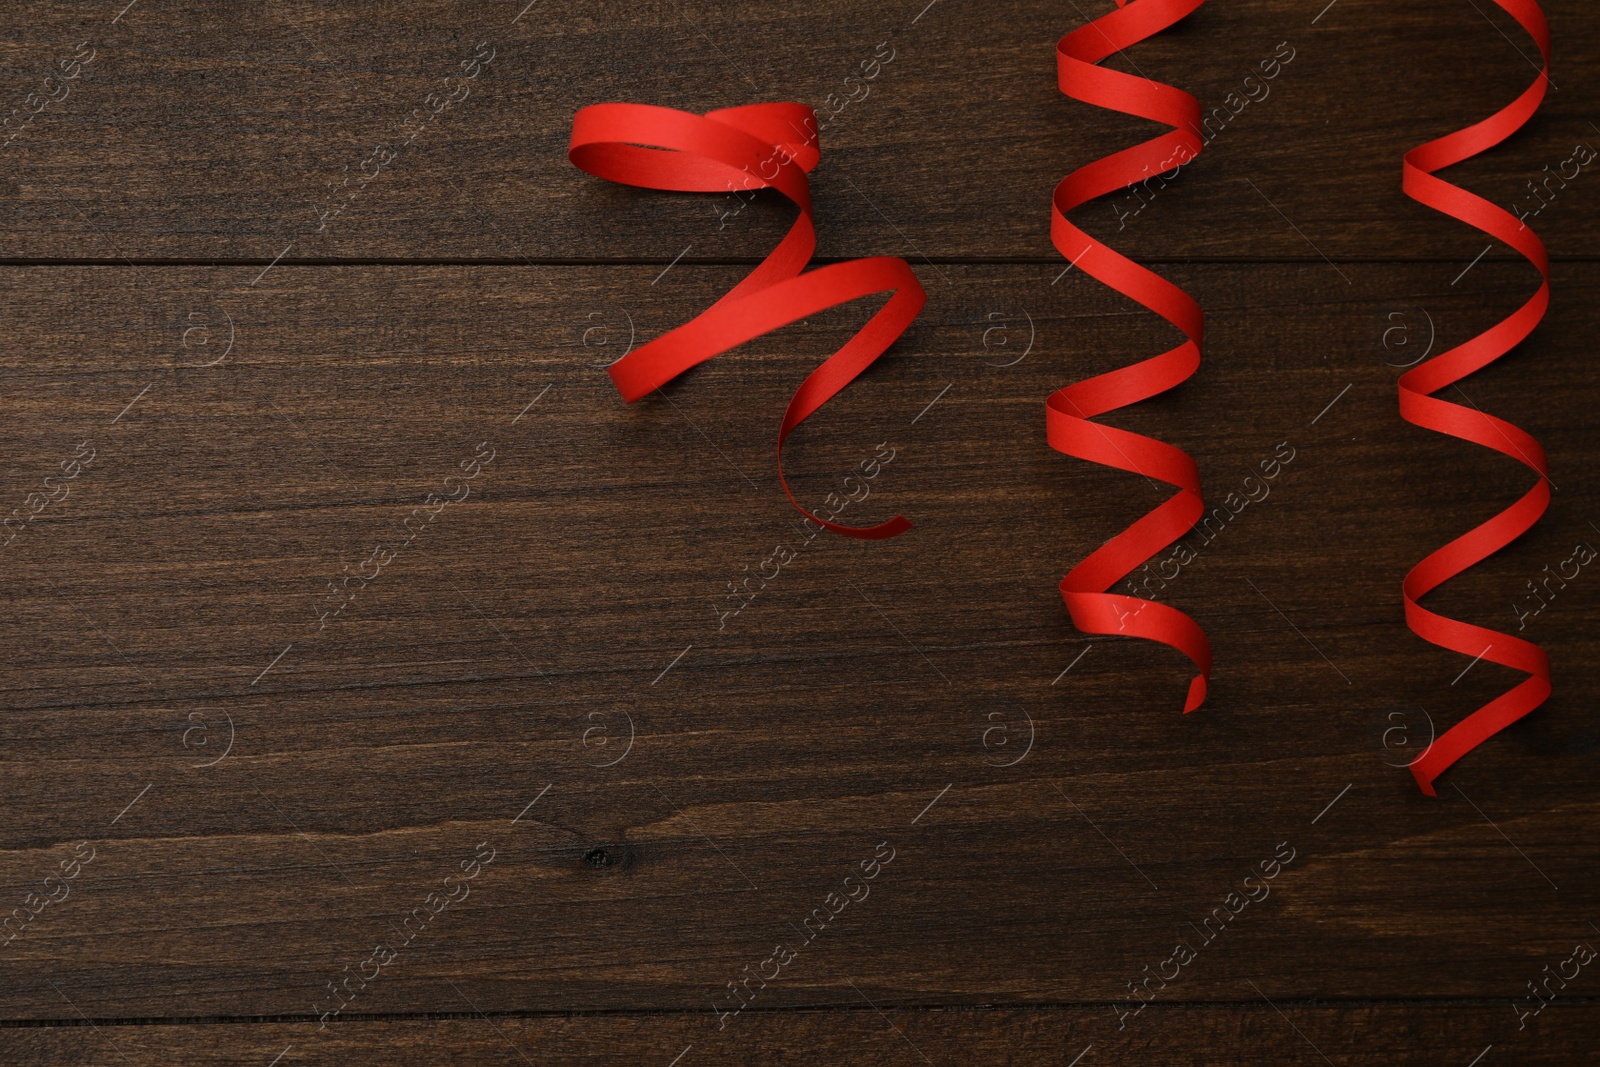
(532, 794)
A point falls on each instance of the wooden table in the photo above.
(530, 785)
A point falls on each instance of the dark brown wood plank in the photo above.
(190, 134)
(1366, 1035)
(168, 603)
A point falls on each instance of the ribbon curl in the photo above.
(664, 148)
(1420, 407)
(1068, 411)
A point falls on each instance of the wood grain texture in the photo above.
(177, 587)
(193, 134)
(369, 664)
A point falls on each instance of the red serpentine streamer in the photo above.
(664, 148)
(1068, 411)
(1420, 407)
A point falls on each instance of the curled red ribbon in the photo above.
(1419, 406)
(735, 148)
(1068, 411)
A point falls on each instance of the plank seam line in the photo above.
(1253, 1004)
(731, 261)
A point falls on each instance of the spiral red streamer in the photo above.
(1068, 411)
(735, 148)
(1418, 405)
